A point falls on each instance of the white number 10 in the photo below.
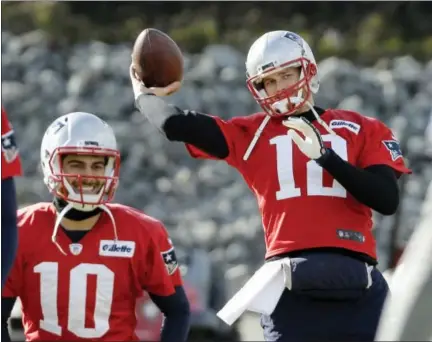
(49, 283)
(314, 177)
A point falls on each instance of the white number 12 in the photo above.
(314, 177)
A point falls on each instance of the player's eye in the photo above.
(98, 167)
(269, 82)
(75, 165)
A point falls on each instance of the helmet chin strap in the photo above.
(298, 99)
(63, 211)
(279, 105)
(319, 120)
(74, 214)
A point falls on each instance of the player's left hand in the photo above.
(139, 87)
(311, 145)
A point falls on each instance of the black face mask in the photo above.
(74, 214)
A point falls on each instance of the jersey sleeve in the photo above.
(235, 132)
(382, 148)
(153, 274)
(11, 163)
(169, 257)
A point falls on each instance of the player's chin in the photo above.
(299, 111)
(291, 113)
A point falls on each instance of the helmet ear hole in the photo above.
(311, 70)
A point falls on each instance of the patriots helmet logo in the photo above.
(294, 37)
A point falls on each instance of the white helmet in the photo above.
(273, 52)
(84, 134)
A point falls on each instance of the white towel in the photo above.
(261, 293)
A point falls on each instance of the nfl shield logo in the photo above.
(75, 248)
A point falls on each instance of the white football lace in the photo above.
(266, 120)
(61, 215)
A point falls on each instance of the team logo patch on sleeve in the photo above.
(394, 148)
(170, 260)
(9, 147)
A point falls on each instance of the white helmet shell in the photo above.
(273, 52)
(83, 134)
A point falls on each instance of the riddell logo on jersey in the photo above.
(122, 249)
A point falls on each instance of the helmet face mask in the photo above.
(272, 53)
(86, 191)
(292, 97)
(90, 144)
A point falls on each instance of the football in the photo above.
(157, 59)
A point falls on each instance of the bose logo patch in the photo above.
(394, 148)
(121, 249)
(351, 126)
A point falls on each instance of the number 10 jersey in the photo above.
(90, 293)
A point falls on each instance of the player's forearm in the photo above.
(197, 129)
(177, 315)
(375, 186)
(9, 226)
(156, 110)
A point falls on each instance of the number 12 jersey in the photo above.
(301, 205)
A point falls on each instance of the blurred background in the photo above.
(58, 57)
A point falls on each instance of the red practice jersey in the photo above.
(91, 292)
(149, 321)
(168, 254)
(167, 249)
(301, 205)
(11, 164)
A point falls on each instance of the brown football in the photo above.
(157, 59)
